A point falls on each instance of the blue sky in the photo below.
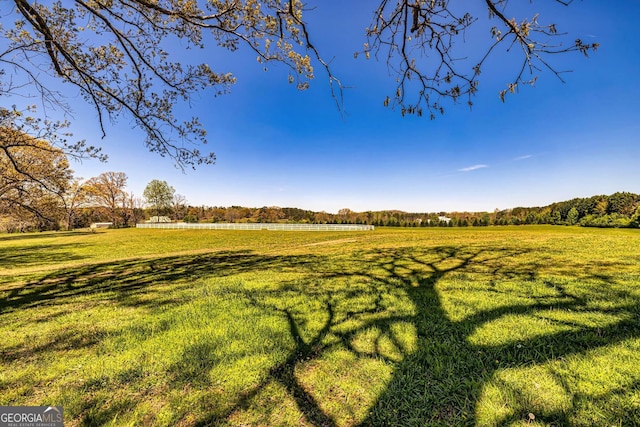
(276, 146)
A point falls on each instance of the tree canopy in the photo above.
(35, 175)
(118, 55)
(159, 196)
(108, 190)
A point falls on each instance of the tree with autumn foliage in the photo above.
(107, 191)
(34, 178)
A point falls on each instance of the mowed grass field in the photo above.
(395, 327)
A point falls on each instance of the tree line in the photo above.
(38, 191)
(621, 209)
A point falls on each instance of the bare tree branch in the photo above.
(418, 39)
(114, 53)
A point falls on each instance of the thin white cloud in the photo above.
(528, 156)
(472, 168)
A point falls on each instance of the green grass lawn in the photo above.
(478, 326)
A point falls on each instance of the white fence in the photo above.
(257, 226)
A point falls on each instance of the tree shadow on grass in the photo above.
(440, 380)
(30, 255)
(448, 323)
(129, 278)
(42, 235)
(451, 369)
(125, 283)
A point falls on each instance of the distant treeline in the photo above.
(621, 209)
(617, 210)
